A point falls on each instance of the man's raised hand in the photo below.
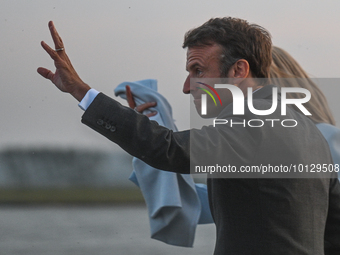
(65, 77)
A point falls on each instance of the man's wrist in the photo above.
(80, 91)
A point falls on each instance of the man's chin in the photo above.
(208, 115)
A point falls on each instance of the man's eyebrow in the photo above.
(192, 66)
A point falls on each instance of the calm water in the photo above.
(123, 230)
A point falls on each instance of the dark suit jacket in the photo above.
(252, 215)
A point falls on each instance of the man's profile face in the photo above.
(204, 62)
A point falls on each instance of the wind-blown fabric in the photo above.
(175, 203)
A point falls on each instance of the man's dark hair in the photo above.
(239, 40)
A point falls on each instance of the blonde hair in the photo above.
(285, 66)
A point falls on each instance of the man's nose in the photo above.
(186, 86)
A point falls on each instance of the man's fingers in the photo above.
(141, 108)
(53, 54)
(58, 42)
(48, 74)
(129, 97)
(151, 114)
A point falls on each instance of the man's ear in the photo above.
(240, 69)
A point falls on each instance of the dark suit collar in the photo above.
(265, 92)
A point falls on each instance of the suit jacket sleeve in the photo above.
(140, 137)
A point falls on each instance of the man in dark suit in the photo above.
(252, 215)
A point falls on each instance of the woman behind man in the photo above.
(284, 66)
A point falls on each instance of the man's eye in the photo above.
(198, 72)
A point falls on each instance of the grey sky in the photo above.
(114, 41)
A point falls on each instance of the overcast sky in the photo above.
(112, 41)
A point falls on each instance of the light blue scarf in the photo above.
(175, 203)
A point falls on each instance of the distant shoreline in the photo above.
(71, 196)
